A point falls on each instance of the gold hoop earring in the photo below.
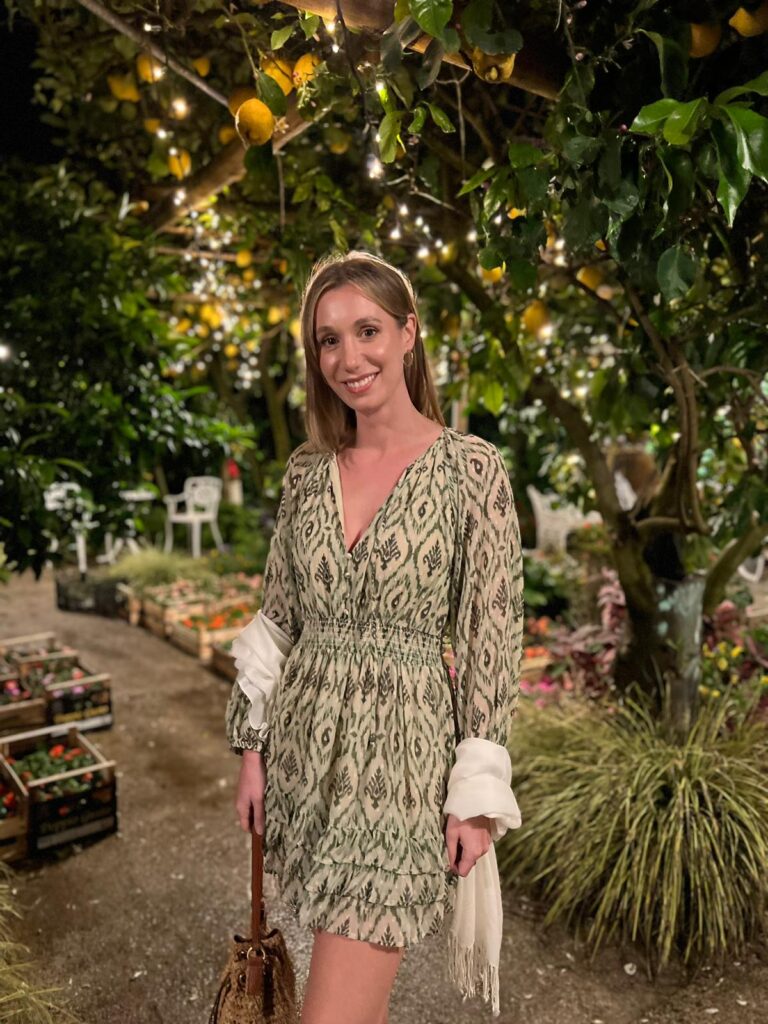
(406, 360)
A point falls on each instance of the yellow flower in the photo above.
(715, 693)
(722, 646)
(704, 691)
(764, 680)
(707, 651)
(722, 664)
(736, 651)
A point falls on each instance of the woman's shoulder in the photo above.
(477, 453)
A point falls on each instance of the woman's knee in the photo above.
(350, 981)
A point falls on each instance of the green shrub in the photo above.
(151, 568)
(627, 835)
(248, 540)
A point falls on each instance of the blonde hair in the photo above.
(330, 422)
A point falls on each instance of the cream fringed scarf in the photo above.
(479, 784)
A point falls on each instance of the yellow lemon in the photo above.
(152, 125)
(238, 96)
(282, 265)
(535, 317)
(123, 87)
(280, 72)
(202, 331)
(231, 350)
(590, 277)
(179, 163)
(148, 69)
(304, 68)
(183, 325)
(255, 122)
(226, 134)
(600, 244)
(249, 275)
(513, 213)
(705, 38)
(750, 23)
(337, 141)
(202, 66)
(274, 315)
(211, 315)
(295, 328)
(244, 258)
(493, 275)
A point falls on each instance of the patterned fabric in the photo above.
(361, 739)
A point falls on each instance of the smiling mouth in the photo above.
(361, 383)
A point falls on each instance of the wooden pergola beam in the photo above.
(531, 72)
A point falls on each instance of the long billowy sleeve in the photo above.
(487, 628)
(262, 648)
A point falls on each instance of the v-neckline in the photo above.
(340, 496)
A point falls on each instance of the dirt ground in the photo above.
(134, 928)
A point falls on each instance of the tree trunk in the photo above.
(662, 657)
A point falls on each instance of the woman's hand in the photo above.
(474, 837)
(250, 792)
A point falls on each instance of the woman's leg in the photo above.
(349, 981)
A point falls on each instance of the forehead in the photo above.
(343, 305)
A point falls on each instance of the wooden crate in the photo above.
(160, 618)
(200, 642)
(13, 647)
(59, 820)
(66, 706)
(130, 607)
(222, 662)
(23, 714)
(532, 669)
(34, 668)
(14, 830)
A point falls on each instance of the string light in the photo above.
(179, 196)
(403, 210)
(395, 233)
(180, 107)
(423, 252)
(334, 47)
(330, 26)
(472, 235)
(375, 167)
(5, 351)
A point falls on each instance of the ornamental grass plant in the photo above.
(630, 836)
(153, 568)
(21, 999)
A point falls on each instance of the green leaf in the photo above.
(522, 154)
(281, 36)
(581, 149)
(490, 257)
(650, 119)
(431, 63)
(309, 24)
(440, 118)
(751, 138)
(673, 62)
(521, 274)
(389, 135)
(678, 169)
(675, 272)
(477, 179)
(493, 397)
(417, 122)
(684, 121)
(758, 85)
(269, 92)
(734, 176)
(476, 20)
(432, 15)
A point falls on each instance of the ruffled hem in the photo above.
(385, 926)
(367, 883)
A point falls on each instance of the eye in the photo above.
(327, 338)
(373, 329)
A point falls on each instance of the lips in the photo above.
(361, 384)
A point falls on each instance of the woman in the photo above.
(392, 528)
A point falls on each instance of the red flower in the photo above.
(57, 751)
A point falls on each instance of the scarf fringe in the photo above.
(468, 969)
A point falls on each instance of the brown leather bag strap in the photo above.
(254, 972)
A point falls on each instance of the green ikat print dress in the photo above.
(361, 735)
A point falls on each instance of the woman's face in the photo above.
(361, 347)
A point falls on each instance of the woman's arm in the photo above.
(487, 629)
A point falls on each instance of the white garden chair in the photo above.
(200, 497)
(67, 499)
(554, 524)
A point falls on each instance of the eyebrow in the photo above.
(359, 322)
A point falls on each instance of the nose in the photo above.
(350, 354)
